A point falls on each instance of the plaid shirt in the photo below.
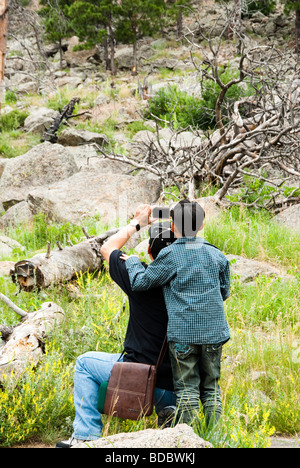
(195, 277)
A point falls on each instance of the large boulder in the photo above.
(290, 217)
(75, 137)
(112, 196)
(2, 166)
(181, 436)
(249, 269)
(40, 120)
(41, 166)
(8, 245)
(16, 215)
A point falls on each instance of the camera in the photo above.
(161, 212)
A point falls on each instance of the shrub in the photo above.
(13, 120)
(196, 111)
(265, 6)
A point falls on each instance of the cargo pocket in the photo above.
(182, 350)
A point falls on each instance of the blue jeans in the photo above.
(91, 370)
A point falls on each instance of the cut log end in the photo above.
(27, 276)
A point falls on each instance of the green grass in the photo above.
(260, 373)
(255, 235)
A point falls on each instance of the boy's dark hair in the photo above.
(188, 217)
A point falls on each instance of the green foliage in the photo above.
(56, 23)
(253, 234)
(181, 108)
(10, 97)
(13, 120)
(138, 18)
(265, 6)
(43, 230)
(137, 126)
(198, 112)
(89, 19)
(290, 5)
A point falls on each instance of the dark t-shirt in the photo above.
(147, 326)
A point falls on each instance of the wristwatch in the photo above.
(135, 223)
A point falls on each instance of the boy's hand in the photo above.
(125, 257)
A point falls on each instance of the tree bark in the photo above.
(60, 265)
(24, 342)
(3, 42)
(298, 31)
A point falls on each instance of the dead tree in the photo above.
(3, 41)
(23, 344)
(60, 265)
(66, 114)
(256, 137)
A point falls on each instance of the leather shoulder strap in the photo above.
(162, 352)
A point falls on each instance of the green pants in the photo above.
(196, 373)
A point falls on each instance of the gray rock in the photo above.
(248, 269)
(111, 196)
(70, 81)
(2, 165)
(290, 217)
(7, 245)
(75, 137)
(181, 436)
(39, 120)
(124, 58)
(41, 166)
(16, 215)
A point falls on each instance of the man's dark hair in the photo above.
(188, 217)
(161, 236)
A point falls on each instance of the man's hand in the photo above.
(142, 215)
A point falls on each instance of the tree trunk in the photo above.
(298, 31)
(112, 48)
(179, 24)
(60, 265)
(3, 41)
(134, 67)
(24, 343)
(60, 54)
(106, 57)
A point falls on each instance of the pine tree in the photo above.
(57, 25)
(177, 9)
(93, 22)
(136, 19)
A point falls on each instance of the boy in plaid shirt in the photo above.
(195, 276)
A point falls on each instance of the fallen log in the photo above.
(23, 344)
(60, 265)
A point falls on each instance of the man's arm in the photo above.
(118, 240)
(158, 273)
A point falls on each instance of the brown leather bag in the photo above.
(130, 390)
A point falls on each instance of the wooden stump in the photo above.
(23, 344)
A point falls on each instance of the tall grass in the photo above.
(260, 372)
(255, 235)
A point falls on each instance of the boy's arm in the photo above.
(225, 280)
(158, 273)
